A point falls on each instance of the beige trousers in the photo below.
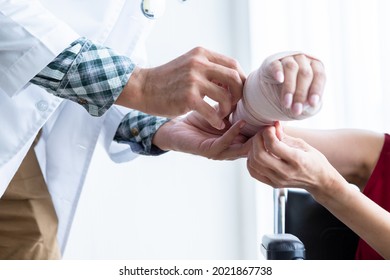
(28, 222)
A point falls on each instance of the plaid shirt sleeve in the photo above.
(137, 129)
(86, 73)
(94, 76)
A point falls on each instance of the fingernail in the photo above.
(297, 109)
(287, 102)
(314, 99)
(279, 77)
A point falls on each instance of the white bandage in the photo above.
(261, 104)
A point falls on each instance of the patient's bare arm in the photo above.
(280, 160)
(352, 152)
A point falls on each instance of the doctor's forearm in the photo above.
(94, 77)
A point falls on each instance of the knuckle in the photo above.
(291, 65)
(234, 75)
(299, 95)
(233, 63)
(198, 50)
(274, 65)
(306, 72)
(194, 62)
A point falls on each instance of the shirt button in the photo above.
(82, 101)
(135, 131)
(42, 105)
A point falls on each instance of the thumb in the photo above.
(286, 149)
(229, 136)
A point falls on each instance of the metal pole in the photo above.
(280, 199)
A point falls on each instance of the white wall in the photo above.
(174, 206)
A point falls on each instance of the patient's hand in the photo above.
(283, 161)
(287, 86)
(302, 77)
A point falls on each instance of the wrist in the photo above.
(161, 138)
(333, 188)
(131, 96)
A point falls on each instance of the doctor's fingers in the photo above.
(209, 113)
(226, 61)
(227, 71)
(213, 114)
(231, 145)
(227, 78)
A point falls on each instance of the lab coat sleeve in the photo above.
(116, 151)
(30, 38)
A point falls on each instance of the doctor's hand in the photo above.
(193, 134)
(279, 160)
(302, 79)
(181, 85)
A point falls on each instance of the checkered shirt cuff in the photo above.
(86, 73)
(137, 130)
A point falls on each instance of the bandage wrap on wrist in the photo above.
(261, 104)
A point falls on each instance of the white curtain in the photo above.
(352, 38)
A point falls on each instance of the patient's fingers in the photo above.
(276, 71)
(264, 166)
(290, 70)
(303, 82)
(254, 172)
(318, 84)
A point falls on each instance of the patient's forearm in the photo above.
(353, 153)
(362, 215)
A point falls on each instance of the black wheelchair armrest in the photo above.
(282, 247)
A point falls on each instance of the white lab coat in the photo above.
(33, 33)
